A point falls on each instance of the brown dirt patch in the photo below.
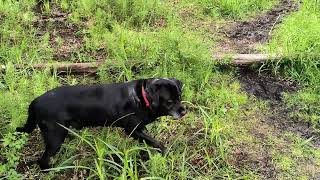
(65, 38)
(263, 85)
(266, 87)
(243, 36)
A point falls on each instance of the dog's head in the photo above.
(165, 97)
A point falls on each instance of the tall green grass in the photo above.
(232, 9)
(17, 90)
(134, 13)
(19, 42)
(297, 39)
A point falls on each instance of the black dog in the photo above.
(131, 105)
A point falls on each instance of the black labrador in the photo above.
(131, 105)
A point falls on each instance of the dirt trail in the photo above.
(269, 88)
(243, 36)
(63, 36)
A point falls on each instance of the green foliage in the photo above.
(19, 88)
(135, 13)
(306, 102)
(235, 9)
(10, 151)
(143, 39)
(19, 42)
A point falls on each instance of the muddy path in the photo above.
(269, 88)
(270, 125)
(66, 38)
(244, 36)
(275, 120)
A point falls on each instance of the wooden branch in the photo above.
(75, 68)
(245, 59)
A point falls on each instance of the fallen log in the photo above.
(245, 59)
(75, 68)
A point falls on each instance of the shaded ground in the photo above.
(243, 36)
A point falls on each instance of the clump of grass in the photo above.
(19, 88)
(301, 48)
(134, 13)
(19, 43)
(12, 144)
(168, 52)
(234, 9)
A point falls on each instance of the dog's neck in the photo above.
(141, 90)
(145, 98)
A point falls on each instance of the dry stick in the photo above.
(245, 59)
(238, 59)
(65, 67)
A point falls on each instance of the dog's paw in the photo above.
(44, 166)
(163, 150)
(144, 155)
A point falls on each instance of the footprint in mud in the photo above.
(264, 86)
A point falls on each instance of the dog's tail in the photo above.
(31, 122)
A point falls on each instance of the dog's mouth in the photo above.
(177, 115)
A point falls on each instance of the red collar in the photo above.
(144, 95)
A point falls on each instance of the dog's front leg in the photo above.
(142, 136)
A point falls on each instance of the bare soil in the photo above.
(65, 38)
(244, 36)
(267, 87)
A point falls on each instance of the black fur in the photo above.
(119, 104)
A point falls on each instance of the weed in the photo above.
(12, 144)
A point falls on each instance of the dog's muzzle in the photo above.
(178, 114)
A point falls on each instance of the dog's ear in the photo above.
(178, 83)
(153, 92)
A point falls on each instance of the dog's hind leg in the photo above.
(53, 139)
